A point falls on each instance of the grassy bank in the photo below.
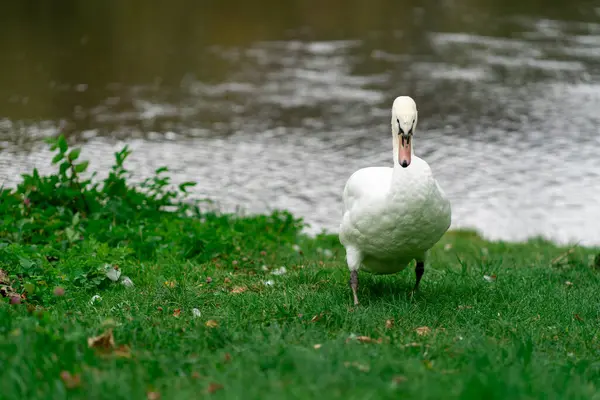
(119, 292)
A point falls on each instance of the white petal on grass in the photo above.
(127, 282)
(296, 248)
(270, 282)
(95, 299)
(489, 278)
(328, 253)
(196, 313)
(279, 271)
(112, 273)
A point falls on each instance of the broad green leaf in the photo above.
(74, 154)
(57, 158)
(62, 144)
(81, 167)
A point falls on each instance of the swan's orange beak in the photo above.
(404, 151)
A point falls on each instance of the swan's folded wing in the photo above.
(366, 184)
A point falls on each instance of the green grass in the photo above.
(533, 332)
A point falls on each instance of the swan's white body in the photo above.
(393, 215)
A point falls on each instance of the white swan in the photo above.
(393, 215)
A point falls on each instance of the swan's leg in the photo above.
(419, 271)
(354, 258)
(354, 285)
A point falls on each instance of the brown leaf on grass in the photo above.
(4, 277)
(578, 317)
(196, 375)
(423, 330)
(239, 289)
(106, 341)
(176, 312)
(123, 351)
(214, 387)
(170, 284)
(226, 280)
(208, 279)
(5, 289)
(70, 381)
(153, 396)
(398, 379)
(316, 317)
(389, 323)
(227, 358)
(364, 339)
(211, 323)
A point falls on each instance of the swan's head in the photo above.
(404, 123)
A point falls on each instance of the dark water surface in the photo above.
(271, 104)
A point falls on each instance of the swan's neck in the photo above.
(400, 175)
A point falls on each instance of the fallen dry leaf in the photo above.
(122, 351)
(226, 280)
(170, 284)
(316, 317)
(106, 341)
(239, 289)
(3, 277)
(5, 289)
(59, 291)
(176, 312)
(578, 317)
(364, 339)
(464, 307)
(213, 387)
(211, 323)
(153, 395)
(423, 330)
(208, 279)
(70, 381)
(227, 357)
(389, 324)
(399, 379)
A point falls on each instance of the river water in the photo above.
(271, 105)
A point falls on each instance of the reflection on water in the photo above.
(275, 106)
